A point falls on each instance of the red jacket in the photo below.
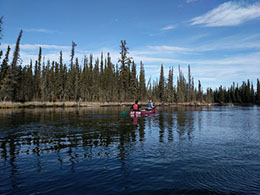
(135, 107)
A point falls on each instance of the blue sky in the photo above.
(219, 39)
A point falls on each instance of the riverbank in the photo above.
(38, 104)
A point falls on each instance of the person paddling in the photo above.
(136, 106)
(149, 105)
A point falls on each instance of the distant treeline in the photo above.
(101, 80)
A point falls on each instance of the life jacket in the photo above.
(135, 107)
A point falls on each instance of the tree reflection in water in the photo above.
(76, 134)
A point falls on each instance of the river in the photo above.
(184, 150)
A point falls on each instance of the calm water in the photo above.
(96, 151)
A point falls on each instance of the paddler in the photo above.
(136, 106)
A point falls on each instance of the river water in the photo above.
(204, 150)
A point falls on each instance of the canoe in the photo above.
(142, 112)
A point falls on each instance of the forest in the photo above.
(99, 80)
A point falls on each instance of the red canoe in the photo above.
(142, 112)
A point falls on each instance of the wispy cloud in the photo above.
(166, 48)
(190, 1)
(170, 27)
(36, 46)
(198, 37)
(40, 30)
(228, 14)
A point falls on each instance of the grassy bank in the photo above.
(38, 104)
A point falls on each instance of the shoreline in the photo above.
(38, 104)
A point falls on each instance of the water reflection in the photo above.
(35, 141)
(69, 130)
(179, 120)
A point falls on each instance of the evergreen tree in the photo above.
(1, 35)
(15, 71)
(4, 66)
(57, 81)
(4, 81)
(161, 85)
(70, 82)
(252, 94)
(258, 92)
(101, 78)
(77, 80)
(62, 78)
(111, 81)
(142, 87)
(96, 81)
(37, 76)
(91, 78)
(221, 96)
(84, 89)
(170, 89)
(209, 95)
(181, 85)
(200, 93)
(1, 28)
(29, 83)
(124, 69)
(189, 89)
(133, 87)
(248, 92)
(72, 54)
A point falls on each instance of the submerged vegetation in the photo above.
(99, 80)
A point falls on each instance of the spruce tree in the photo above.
(70, 81)
(133, 83)
(1, 35)
(170, 89)
(181, 85)
(1, 28)
(252, 94)
(200, 93)
(124, 69)
(248, 92)
(258, 92)
(15, 71)
(84, 80)
(3, 75)
(142, 87)
(62, 78)
(4, 66)
(189, 90)
(77, 80)
(29, 83)
(161, 85)
(72, 54)
(37, 76)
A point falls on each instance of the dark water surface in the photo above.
(96, 151)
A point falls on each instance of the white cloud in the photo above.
(198, 37)
(36, 46)
(190, 1)
(165, 48)
(43, 46)
(40, 30)
(170, 27)
(228, 14)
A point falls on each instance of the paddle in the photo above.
(125, 112)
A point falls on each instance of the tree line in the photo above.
(100, 80)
